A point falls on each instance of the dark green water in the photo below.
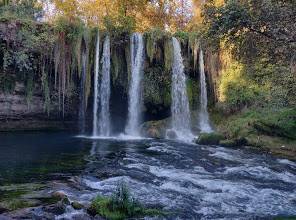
(29, 157)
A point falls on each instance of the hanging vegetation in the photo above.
(67, 56)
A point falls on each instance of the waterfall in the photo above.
(104, 117)
(134, 102)
(204, 124)
(82, 106)
(180, 105)
(96, 79)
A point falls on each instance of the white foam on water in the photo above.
(209, 194)
(262, 173)
(131, 137)
(174, 186)
(97, 137)
(144, 192)
(176, 174)
(70, 214)
(106, 184)
(200, 170)
(165, 149)
(223, 155)
(288, 162)
(259, 201)
(120, 137)
(138, 166)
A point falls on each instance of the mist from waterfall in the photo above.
(82, 106)
(134, 102)
(180, 104)
(104, 116)
(96, 88)
(204, 123)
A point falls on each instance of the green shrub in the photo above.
(279, 81)
(119, 25)
(182, 36)
(120, 206)
(209, 138)
(237, 90)
(273, 122)
(21, 10)
(71, 28)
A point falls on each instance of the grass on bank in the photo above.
(271, 122)
(121, 205)
(271, 129)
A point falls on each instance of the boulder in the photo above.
(209, 138)
(77, 205)
(155, 129)
(171, 134)
(234, 142)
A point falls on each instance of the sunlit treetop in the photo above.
(169, 14)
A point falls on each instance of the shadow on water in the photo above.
(27, 157)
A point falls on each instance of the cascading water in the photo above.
(96, 88)
(204, 123)
(82, 93)
(180, 104)
(104, 117)
(134, 108)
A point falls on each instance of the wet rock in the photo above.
(209, 138)
(98, 217)
(77, 205)
(65, 201)
(155, 129)
(2, 217)
(234, 142)
(3, 209)
(82, 216)
(241, 141)
(91, 211)
(18, 214)
(227, 143)
(19, 203)
(59, 195)
(171, 134)
(56, 209)
(28, 213)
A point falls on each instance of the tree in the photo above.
(4, 2)
(254, 28)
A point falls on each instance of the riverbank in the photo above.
(271, 130)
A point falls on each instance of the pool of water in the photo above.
(189, 181)
(27, 157)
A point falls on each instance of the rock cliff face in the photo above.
(215, 63)
(20, 111)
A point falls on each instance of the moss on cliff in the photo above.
(154, 39)
(193, 93)
(168, 54)
(157, 87)
(120, 70)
